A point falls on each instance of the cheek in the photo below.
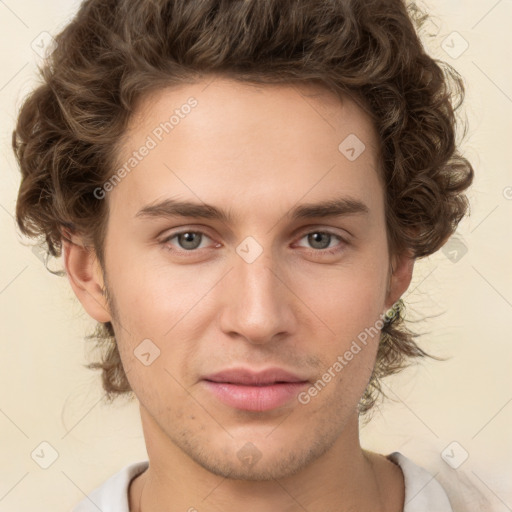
(164, 304)
(154, 310)
(150, 297)
(352, 310)
(348, 299)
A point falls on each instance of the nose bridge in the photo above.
(258, 281)
(258, 305)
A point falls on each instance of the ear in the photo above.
(402, 267)
(86, 279)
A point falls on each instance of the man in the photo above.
(239, 191)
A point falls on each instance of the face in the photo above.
(270, 284)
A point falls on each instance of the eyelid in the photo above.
(299, 233)
(318, 228)
(185, 229)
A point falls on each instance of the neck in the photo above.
(344, 478)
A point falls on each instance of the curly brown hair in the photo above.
(115, 52)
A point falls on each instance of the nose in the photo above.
(257, 303)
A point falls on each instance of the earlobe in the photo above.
(400, 277)
(85, 277)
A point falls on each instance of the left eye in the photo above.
(319, 238)
(191, 240)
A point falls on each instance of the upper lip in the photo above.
(248, 377)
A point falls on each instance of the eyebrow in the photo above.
(175, 208)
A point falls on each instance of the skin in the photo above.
(256, 151)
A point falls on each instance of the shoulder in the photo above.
(112, 495)
(423, 493)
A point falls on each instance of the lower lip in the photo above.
(255, 398)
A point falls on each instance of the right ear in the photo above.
(86, 279)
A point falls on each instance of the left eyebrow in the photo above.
(169, 208)
(333, 208)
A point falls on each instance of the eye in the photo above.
(187, 240)
(321, 241)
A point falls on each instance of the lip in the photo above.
(251, 377)
(255, 398)
(255, 391)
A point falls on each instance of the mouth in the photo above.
(255, 391)
(252, 385)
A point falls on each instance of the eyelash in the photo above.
(331, 251)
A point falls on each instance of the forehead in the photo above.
(223, 106)
(225, 141)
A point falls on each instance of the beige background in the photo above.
(47, 395)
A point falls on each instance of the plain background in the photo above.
(48, 396)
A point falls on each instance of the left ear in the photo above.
(402, 267)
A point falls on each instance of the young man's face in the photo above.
(255, 291)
